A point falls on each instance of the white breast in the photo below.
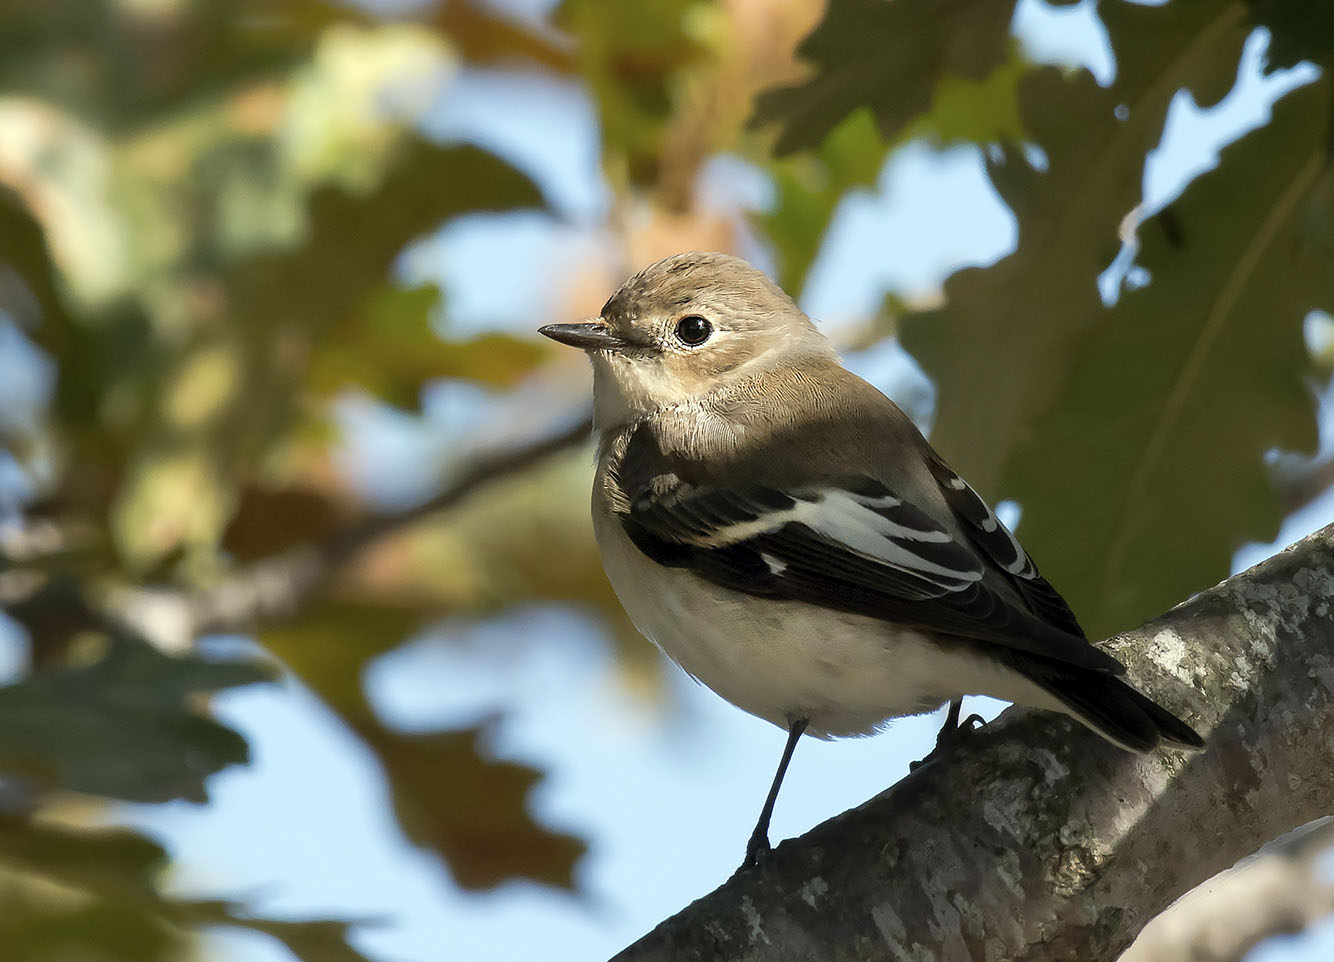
(848, 674)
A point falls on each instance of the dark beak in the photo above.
(589, 335)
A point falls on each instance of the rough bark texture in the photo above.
(1281, 890)
(1034, 839)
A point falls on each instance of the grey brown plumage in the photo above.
(677, 502)
(784, 532)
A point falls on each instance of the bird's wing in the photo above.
(854, 545)
(1002, 549)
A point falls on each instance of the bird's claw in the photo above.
(948, 736)
(758, 851)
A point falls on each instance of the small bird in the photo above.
(786, 535)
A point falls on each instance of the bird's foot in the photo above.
(949, 735)
(758, 851)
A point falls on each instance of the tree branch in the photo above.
(1034, 839)
(1281, 890)
(277, 586)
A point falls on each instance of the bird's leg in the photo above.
(758, 846)
(951, 731)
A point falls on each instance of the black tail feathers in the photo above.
(1110, 706)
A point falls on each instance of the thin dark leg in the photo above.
(950, 731)
(758, 846)
(951, 719)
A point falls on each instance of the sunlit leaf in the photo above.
(811, 184)
(391, 349)
(329, 644)
(172, 500)
(281, 311)
(126, 64)
(484, 35)
(314, 940)
(981, 110)
(888, 56)
(809, 188)
(1178, 393)
(78, 894)
(31, 931)
(354, 239)
(631, 55)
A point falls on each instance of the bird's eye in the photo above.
(693, 331)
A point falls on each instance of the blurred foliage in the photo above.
(200, 211)
(92, 895)
(1301, 30)
(119, 722)
(632, 55)
(1178, 477)
(1125, 452)
(202, 207)
(890, 57)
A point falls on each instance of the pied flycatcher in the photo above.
(787, 536)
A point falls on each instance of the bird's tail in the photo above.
(1109, 706)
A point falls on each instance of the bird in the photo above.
(784, 532)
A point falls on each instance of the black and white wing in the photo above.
(995, 541)
(854, 546)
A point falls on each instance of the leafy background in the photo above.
(308, 652)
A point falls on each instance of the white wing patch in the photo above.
(1022, 566)
(849, 520)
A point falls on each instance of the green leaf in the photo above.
(77, 894)
(632, 56)
(976, 111)
(23, 249)
(486, 36)
(70, 894)
(809, 188)
(1177, 394)
(121, 67)
(889, 56)
(329, 645)
(391, 349)
(1006, 332)
(310, 940)
(280, 312)
(811, 184)
(354, 239)
(125, 723)
(34, 932)
(1299, 30)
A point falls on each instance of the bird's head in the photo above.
(686, 328)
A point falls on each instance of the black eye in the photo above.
(693, 330)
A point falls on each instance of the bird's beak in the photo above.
(588, 335)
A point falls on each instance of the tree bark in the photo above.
(1280, 890)
(1033, 838)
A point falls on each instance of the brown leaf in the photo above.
(471, 809)
(268, 520)
(449, 798)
